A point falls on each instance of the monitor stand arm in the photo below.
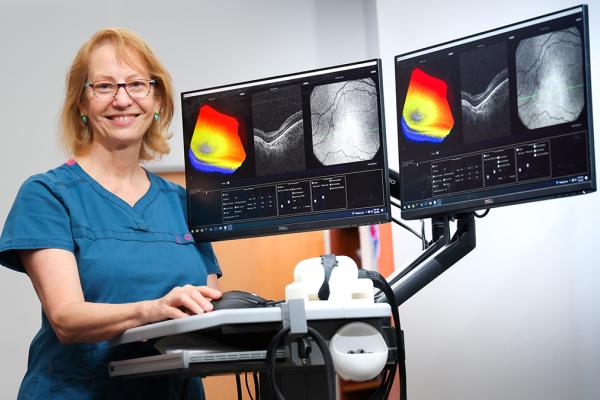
(444, 252)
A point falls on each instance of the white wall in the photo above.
(517, 318)
(202, 43)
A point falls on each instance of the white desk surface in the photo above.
(321, 310)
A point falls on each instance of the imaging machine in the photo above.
(305, 151)
(497, 118)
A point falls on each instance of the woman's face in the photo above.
(120, 121)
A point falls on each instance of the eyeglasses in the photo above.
(137, 89)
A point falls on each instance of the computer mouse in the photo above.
(234, 299)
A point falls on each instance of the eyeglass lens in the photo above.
(106, 90)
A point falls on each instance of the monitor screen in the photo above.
(496, 118)
(290, 153)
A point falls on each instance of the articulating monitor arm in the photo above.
(444, 252)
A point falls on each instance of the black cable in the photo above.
(238, 385)
(402, 224)
(394, 203)
(380, 283)
(256, 385)
(408, 228)
(383, 386)
(386, 383)
(424, 244)
(487, 210)
(272, 353)
(270, 358)
(329, 367)
(248, 386)
(185, 390)
(399, 340)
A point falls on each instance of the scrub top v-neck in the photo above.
(124, 254)
(138, 208)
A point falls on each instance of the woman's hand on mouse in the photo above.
(180, 302)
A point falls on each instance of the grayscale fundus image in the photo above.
(345, 123)
(550, 78)
(278, 131)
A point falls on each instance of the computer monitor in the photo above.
(290, 153)
(497, 118)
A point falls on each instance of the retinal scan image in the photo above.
(550, 78)
(216, 145)
(427, 115)
(345, 123)
(484, 94)
(278, 131)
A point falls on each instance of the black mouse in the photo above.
(233, 299)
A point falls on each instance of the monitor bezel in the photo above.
(524, 195)
(308, 226)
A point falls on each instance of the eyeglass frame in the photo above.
(123, 85)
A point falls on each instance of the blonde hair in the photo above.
(75, 134)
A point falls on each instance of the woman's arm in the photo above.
(55, 278)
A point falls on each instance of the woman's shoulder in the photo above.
(167, 186)
(63, 175)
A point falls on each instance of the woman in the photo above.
(105, 242)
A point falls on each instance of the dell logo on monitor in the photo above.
(282, 228)
(488, 201)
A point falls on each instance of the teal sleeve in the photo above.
(210, 259)
(37, 220)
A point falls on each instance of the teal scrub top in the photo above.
(124, 254)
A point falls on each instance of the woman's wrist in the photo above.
(145, 312)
